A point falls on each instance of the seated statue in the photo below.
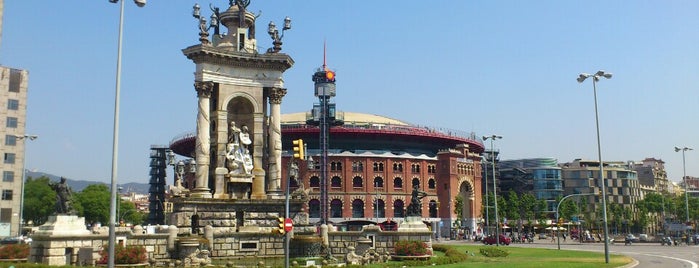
(238, 159)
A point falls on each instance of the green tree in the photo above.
(527, 202)
(129, 214)
(93, 203)
(39, 200)
(459, 207)
(540, 211)
(513, 204)
(568, 209)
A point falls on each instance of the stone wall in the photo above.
(162, 244)
(85, 249)
(371, 236)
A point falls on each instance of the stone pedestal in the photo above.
(63, 225)
(413, 224)
(54, 250)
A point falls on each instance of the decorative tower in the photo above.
(156, 197)
(239, 90)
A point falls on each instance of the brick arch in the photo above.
(397, 197)
(470, 184)
(360, 197)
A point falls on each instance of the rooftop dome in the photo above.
(349, 118)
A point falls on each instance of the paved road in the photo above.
(648, 255)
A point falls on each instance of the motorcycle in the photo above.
(666, 241)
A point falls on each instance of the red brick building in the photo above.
(374, 163)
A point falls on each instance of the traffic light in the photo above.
(280, 228)
(324, 76)
(330, 75)
(298, 149)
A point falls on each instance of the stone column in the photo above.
(258, 182)
(275, 140)
(203, 141)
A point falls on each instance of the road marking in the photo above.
(693, 264)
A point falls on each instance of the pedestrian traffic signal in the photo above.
(298, 149)
(280, 228)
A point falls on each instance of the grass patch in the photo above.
(527, 258)
(539, 257)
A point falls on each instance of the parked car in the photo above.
(542, 236)
(490, 240)
(643, 238)
(10, 240)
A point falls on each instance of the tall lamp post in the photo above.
(603, 187)
(24, 178)
(684, 179)
(495, 187)
(487, 203)
(115, 144)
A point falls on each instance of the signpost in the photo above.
(288, 225)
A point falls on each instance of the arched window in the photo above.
(376, 166)
(378, 182)
(357, 208)
(380, 166)
(433, 209)
(357, 166)
(336, 166)
(336, 208)
(380, 209)
(335, 182)
(314, 208)
(315, 182)
(432, 184)
(416, 183)
(357, 182)
(398, 183)
(398, 209)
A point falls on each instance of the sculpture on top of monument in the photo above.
(63, 197)
(238, 156)
(415, 207)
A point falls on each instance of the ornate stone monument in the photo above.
(413, 221)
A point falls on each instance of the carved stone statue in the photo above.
(63, 197)
(238, 159)
(415, 207)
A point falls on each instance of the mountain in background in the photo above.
(79, 185)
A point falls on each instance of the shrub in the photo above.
(125, 255)
(493, 252)
(410, 248)
(14, 251)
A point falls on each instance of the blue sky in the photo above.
(491, 67)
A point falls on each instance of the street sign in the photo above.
(288, 225)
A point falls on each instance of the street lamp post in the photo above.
(684, 179)
(24, 178)
(603, 187)
(495, 187)
(115, 143)
(487, 204)
(558, 234)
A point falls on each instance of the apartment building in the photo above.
(13, 114)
